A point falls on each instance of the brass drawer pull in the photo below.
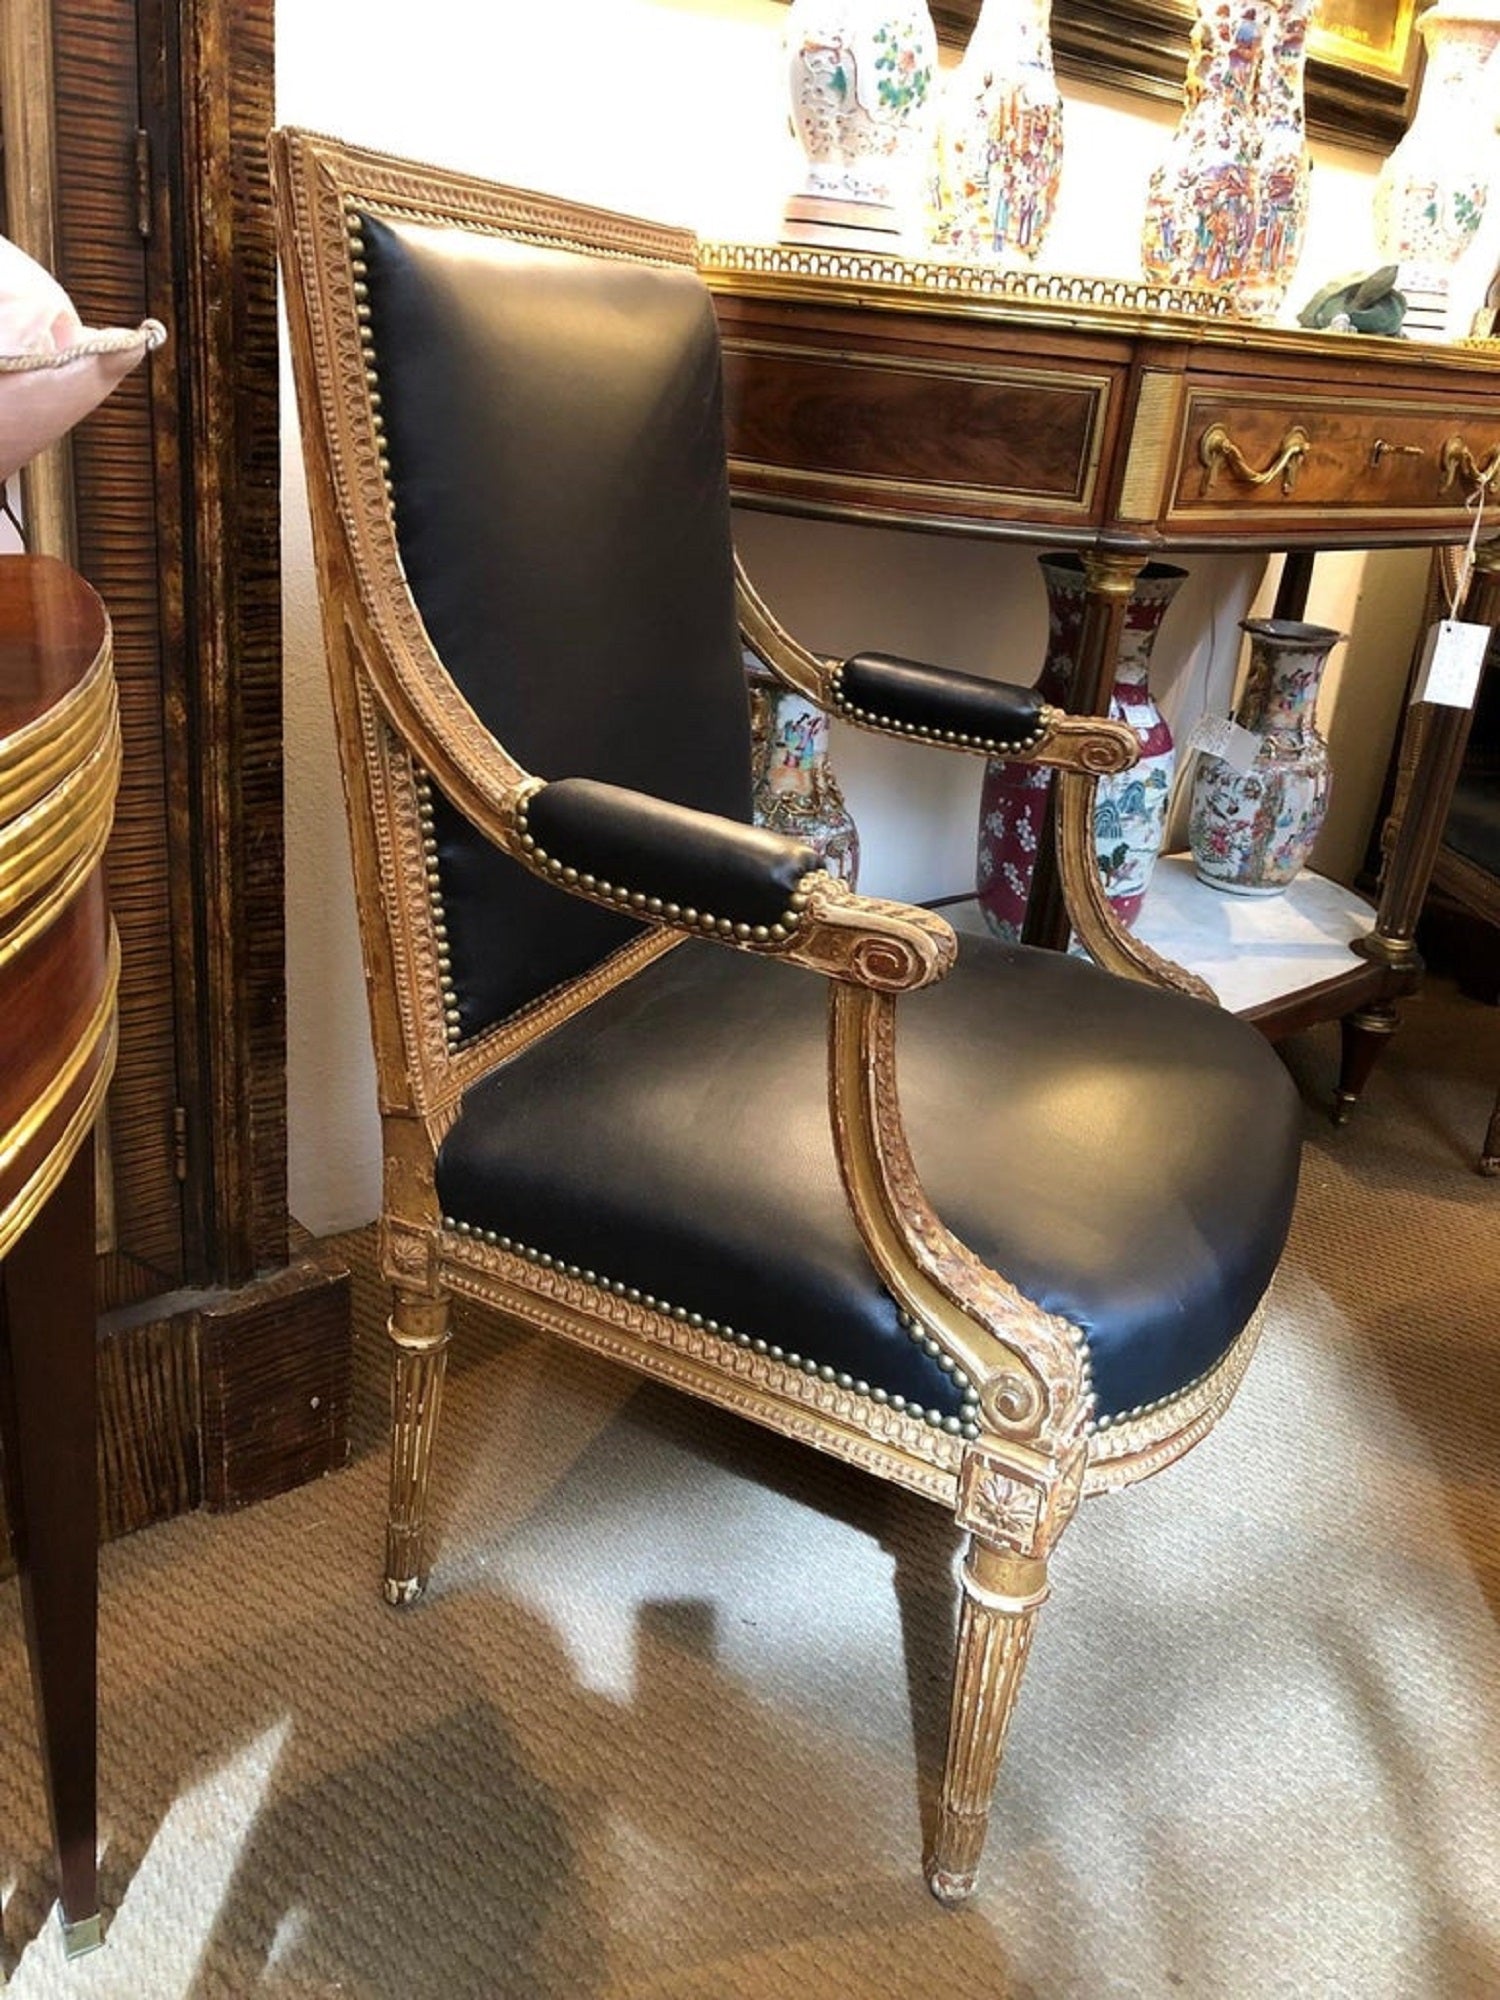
(1217, 447)
(1382, 449)
(1458, 462)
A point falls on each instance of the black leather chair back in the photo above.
(556, 447)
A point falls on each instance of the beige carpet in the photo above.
(668, 1723)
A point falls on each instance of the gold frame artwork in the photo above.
(1364, 63)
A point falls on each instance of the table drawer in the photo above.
(912, 438)
(1311, 457)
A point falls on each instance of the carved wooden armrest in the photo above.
(961, 712)
(718, 878)
(927, 704)
(749, 888)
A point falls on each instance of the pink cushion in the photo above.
(53, 369)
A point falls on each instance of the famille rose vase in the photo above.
(999, 148)
(1250, 832)
(1283, 169)
(1226, 209)
(1430, 195)
(861, 75)
(794, 789)
(1131, 807)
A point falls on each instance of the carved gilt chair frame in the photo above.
(1014, 1468)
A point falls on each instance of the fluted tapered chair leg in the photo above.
(419, 1330)
(1001, 1595)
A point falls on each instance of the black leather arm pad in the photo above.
(935, 705)
(664, 859)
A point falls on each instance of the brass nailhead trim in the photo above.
(964, 1425)
(355, 226)
(960, 739)
(620, 897)
(1160, 1403)
(452, 1018)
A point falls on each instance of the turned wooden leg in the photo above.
(419, 1329)
(48, 1428)
(1365, 1036)
(1001, 1596)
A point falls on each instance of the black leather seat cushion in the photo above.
(1127, 1157)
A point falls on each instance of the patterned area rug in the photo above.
(669, 1721)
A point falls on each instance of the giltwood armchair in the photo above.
(638, 1059)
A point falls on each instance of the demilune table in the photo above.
(59, 971)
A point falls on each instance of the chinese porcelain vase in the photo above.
(1430, 194)
(1130, 808)
(1250, 832)
(861, 75)
(794, 789)
(1227, 208)
(1283, 169)
(1000, 138)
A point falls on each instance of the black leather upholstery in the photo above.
(936, 702)
(556, 452)
(1125, 1156)
(688, 860)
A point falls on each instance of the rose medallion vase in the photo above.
(794, 790)
(1251, 831)
(1430, 194)
(1000, 138)
(1131, 806)
(1201, 203)
(861, 76)
(1283, 169)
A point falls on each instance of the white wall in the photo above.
(676, 109)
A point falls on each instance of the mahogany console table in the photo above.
(1107, 418)
(59, 967)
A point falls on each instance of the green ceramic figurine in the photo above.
(1363, 305)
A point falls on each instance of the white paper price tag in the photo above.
(1218, 736)
(1452, 661)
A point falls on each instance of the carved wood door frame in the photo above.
(155, 139)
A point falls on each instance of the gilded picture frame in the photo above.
(1364, 57)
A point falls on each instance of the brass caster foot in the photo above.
(1343, 1104)
(403, 1589)
(949, 1887)
(87, 1934)
(1490, 1165)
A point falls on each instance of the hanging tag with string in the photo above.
(1453, 657)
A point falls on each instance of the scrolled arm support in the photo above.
(1217, 448)
(1099, 930)
(1029, 1367)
